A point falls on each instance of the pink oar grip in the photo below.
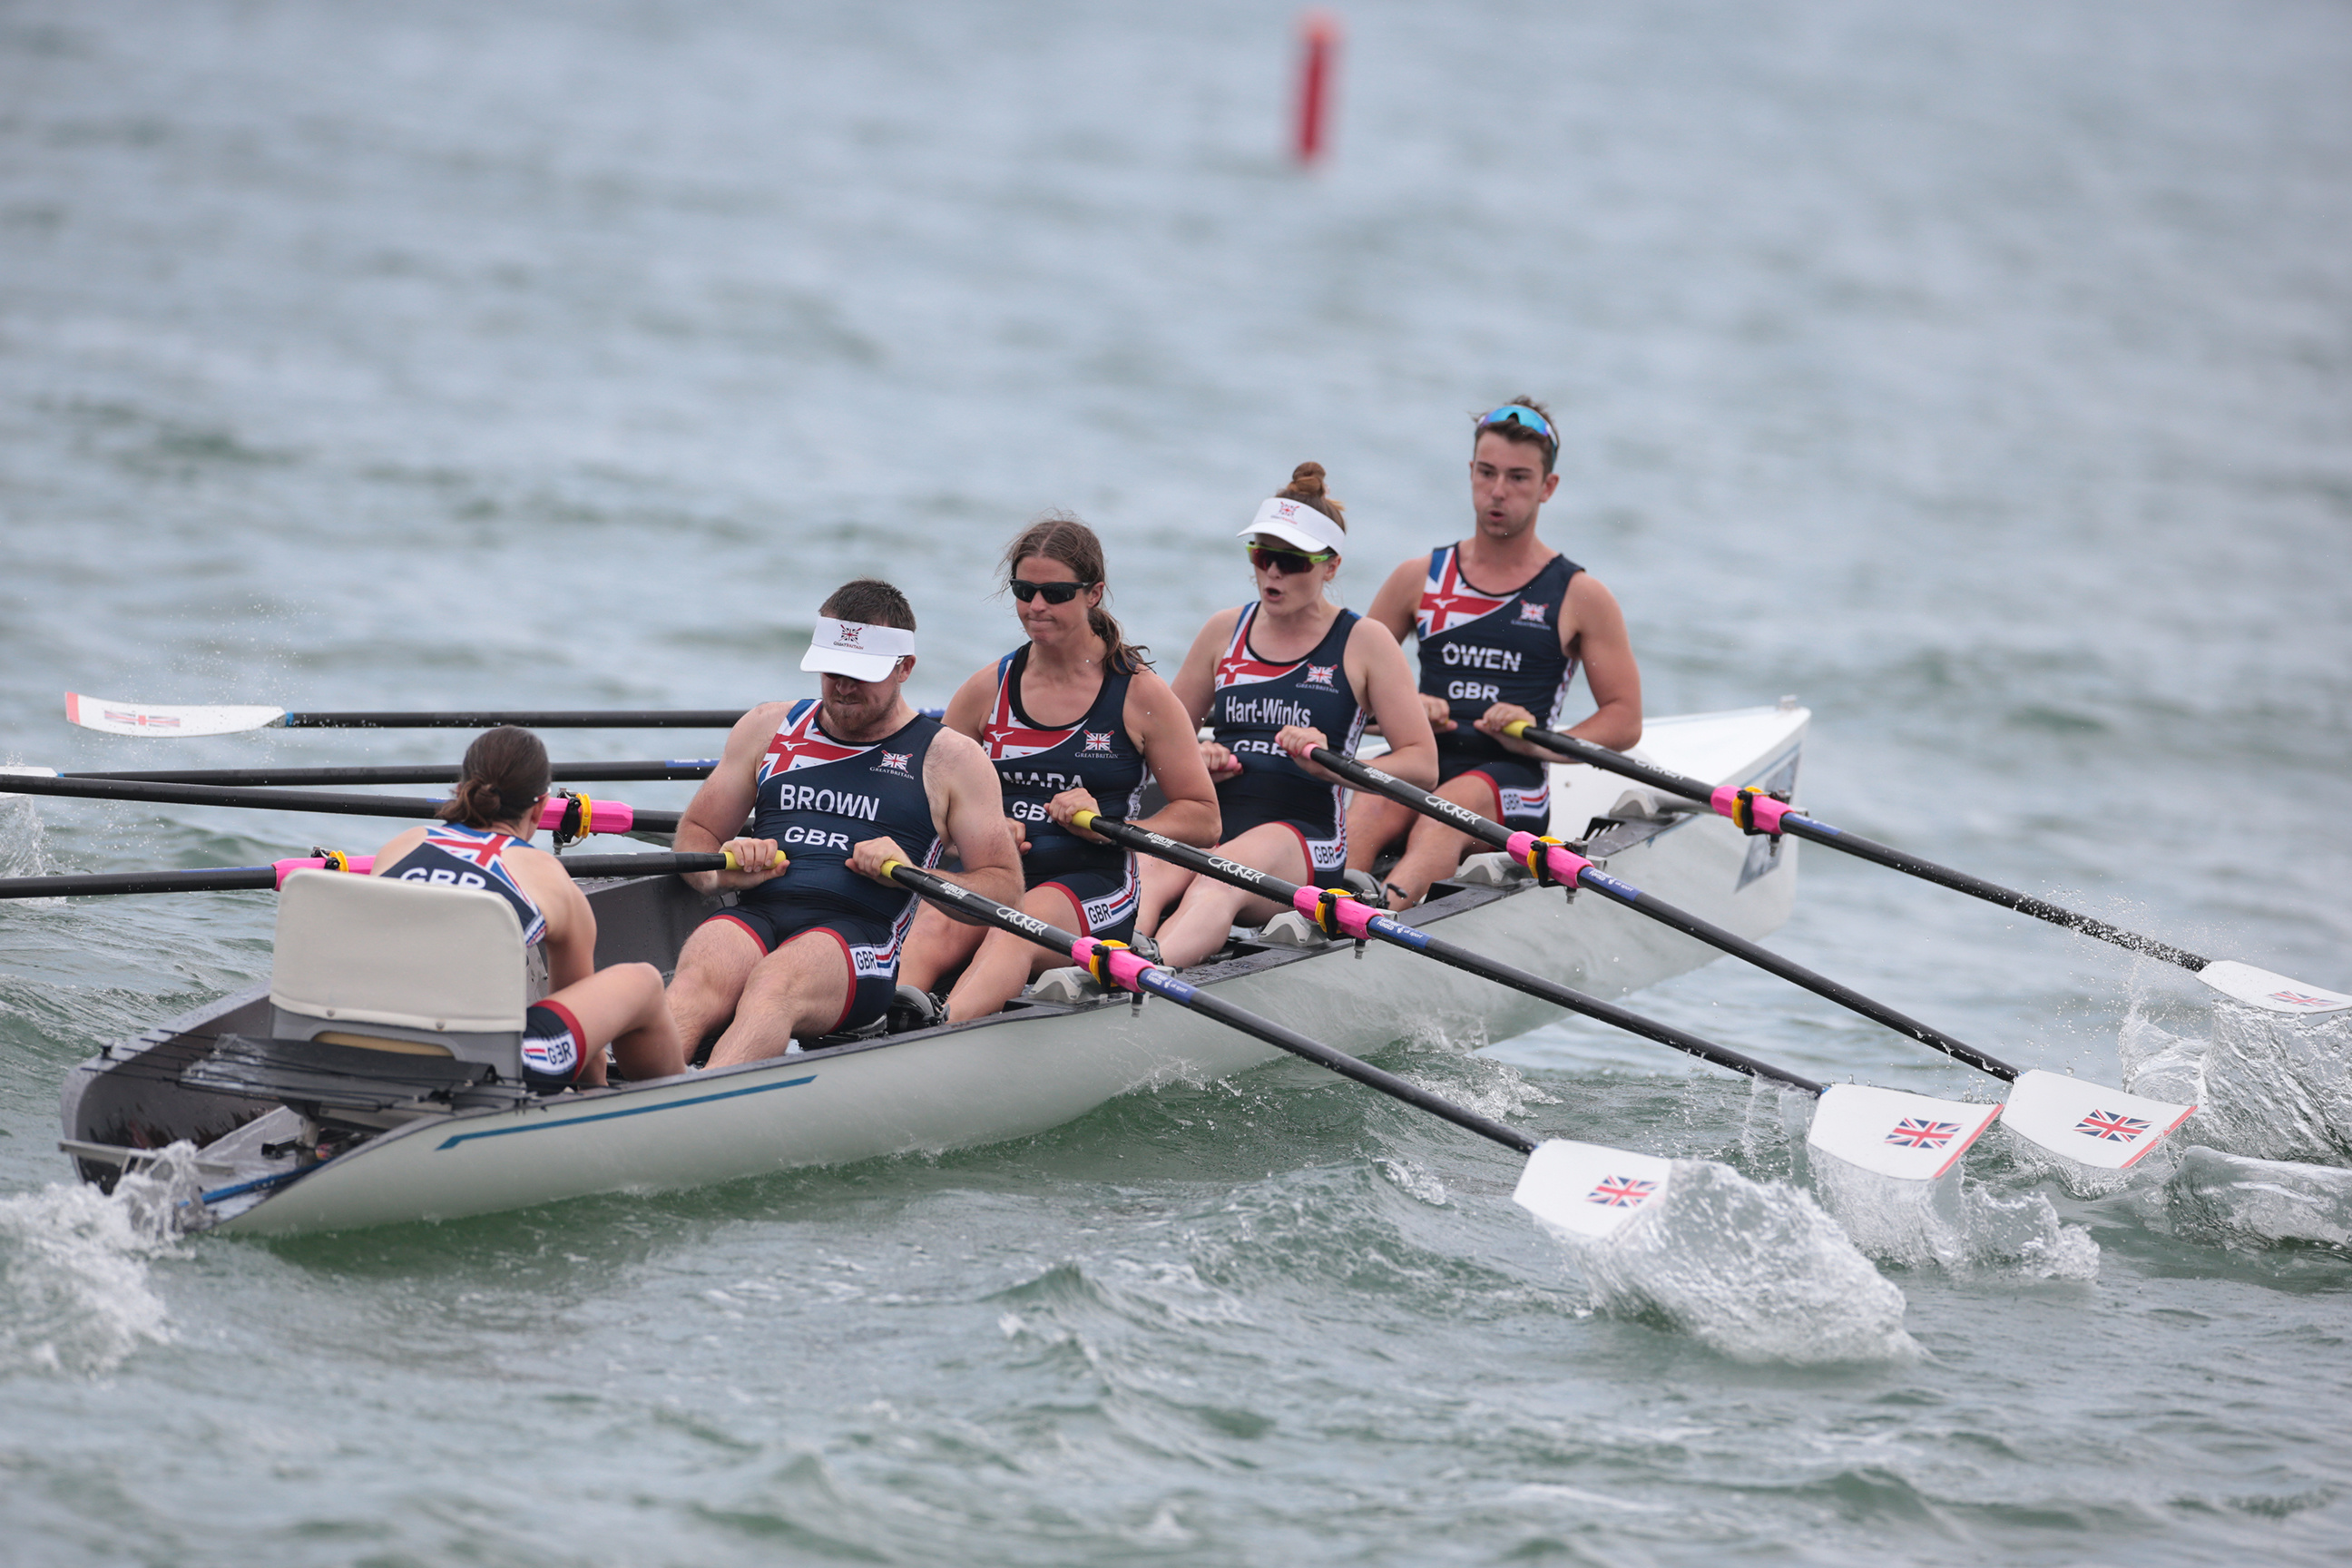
(1763, 810)
(1565, 864)
(1124, 966)
(1355, 916)
(358, 865)
(603, 816)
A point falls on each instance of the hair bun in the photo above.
(1307, 480)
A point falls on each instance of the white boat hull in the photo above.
(1028, 1069)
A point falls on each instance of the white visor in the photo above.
(1295, 522)
(856, 649)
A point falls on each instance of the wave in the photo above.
(76, 1295)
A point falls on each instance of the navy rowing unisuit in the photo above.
(818, 798)
(1035, 761)
(1479, 648)
(1254, 700)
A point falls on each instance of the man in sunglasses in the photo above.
(834, 786)
(1504, 622)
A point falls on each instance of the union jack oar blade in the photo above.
(1589, 1190)
(1893, 1133)
(2272, 993)
(112, 718)
(2087, 1122)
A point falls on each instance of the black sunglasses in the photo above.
(1056, 593)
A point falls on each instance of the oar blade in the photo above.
(1589, 1190)
(2272, 993)
(1890, 1132)
(2087, 1122)
(112, 718)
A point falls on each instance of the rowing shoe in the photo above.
(1587, 1190)
(1756, 811)
(2084, 1123)
(1887, 1132)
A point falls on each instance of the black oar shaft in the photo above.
(400, 773)
(1397, 934)
(1633, 897)
(235, 878)
(572, 718)
(1815, 831)
(320, 801)
(1165, 983)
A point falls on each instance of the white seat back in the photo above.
(435, 965)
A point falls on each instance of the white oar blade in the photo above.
(1589, 1190)
(1891, 1133)
(2272, 993)
(2087, 1122)
(114, 718)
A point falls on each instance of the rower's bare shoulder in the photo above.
(1589, 606)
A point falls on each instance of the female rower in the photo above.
(483, 840)
(1276, 678)
(1074, 720)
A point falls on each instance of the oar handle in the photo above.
(237, 879)
(1549, 857)
(1113, 963)
(1756, 812)
(608, 816)
(1338, 911)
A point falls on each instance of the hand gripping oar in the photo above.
(235, 878)
(181, 720)
(1585, 1188)
(387, 773)
(565, 814)
(1886, 1130)
(2082, 1122)
(1756, 811)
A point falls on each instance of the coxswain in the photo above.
(1291, 671)
(483, 842)
(1074, 720)
(1504, 622)
(835, 787)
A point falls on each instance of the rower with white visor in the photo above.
(1274, 679)
(836, 786)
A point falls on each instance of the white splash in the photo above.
(1759, 1273)
(1953, 1223)
(75, 1295)
(2239, 1201)
(2267, 1085)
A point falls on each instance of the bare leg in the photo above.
(624, 1006)
(1375, 824)
(1210, 909)
(801, 990)
(1163, 884)
(1006, 962)
(712, 969)
(935, 948)
(1435, 850)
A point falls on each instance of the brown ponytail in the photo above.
(1305, 487)
(506, 769)
(1061, 536)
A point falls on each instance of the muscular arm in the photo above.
(1377, 668)
(1196, 683)
(1163, 731)
(966, 711)
(1598, 634)
(716, 814)
(1397, 607)
(968, 809)
(570, 930)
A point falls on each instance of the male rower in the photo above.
(1504, 621)
(840, 783)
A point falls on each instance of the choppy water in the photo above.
(1977, 372)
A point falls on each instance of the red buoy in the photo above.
(1319, 32)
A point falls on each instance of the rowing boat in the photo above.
(1054, 1055)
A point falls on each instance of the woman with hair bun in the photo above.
(1074, 720)
(483, 841)
(1276, 678)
